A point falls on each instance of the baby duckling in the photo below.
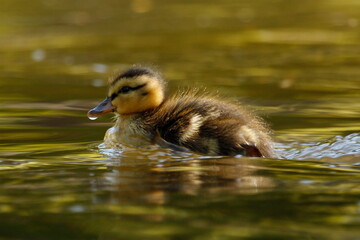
(199, 123)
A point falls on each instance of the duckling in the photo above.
(186, 121)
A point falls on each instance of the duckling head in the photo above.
(136, 90)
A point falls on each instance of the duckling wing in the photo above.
(165, 144)
(238, 135)
(210, 127)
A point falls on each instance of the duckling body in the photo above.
(197, 122)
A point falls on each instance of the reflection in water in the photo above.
(154, 173)
(159, 185)
(168, 172)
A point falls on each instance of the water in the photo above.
(93, 118)
(295, 62)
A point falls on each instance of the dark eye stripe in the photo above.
(137, 87)
(113, 96)
(125, 89)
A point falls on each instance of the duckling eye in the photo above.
(125, 89)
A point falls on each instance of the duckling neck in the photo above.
(123, 120)
(131, 129)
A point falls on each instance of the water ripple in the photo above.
(337, 147)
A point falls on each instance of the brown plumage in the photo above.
(188, 120)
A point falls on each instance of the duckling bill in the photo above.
(199, 123)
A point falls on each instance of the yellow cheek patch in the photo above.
(146, 93)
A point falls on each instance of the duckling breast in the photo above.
(128, 131)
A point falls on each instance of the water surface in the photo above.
(296, 63)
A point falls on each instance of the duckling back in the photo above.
(210, 126)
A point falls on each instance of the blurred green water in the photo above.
(296, 62)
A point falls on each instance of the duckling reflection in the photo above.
(137, 178)
(185, 121)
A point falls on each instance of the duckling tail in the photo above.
(252, 151)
